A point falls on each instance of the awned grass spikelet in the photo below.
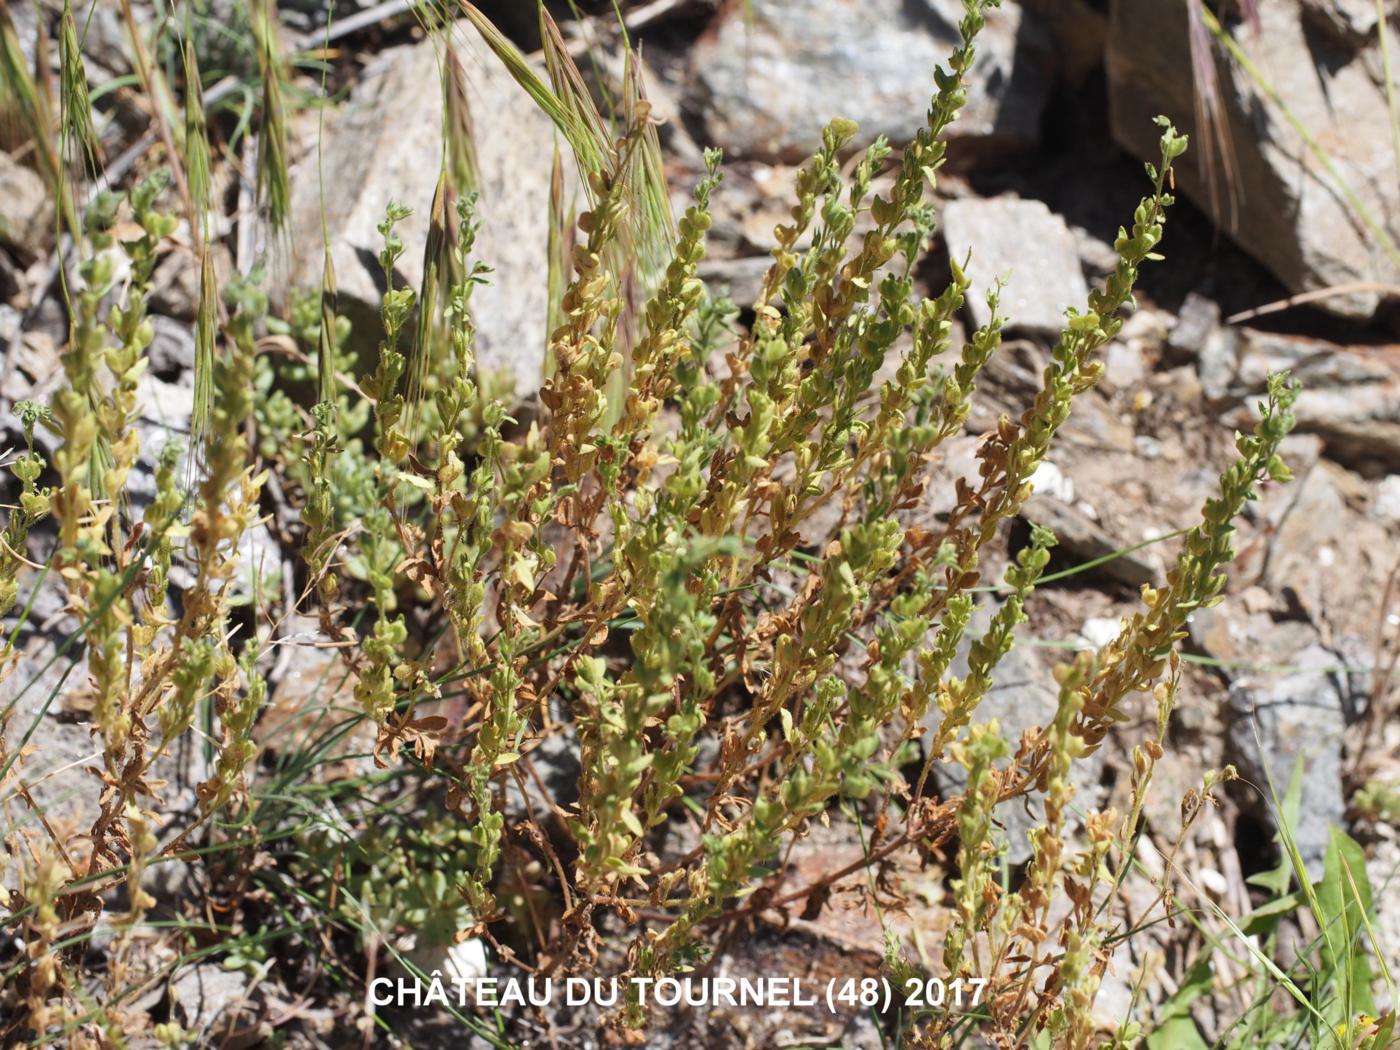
(274, 192)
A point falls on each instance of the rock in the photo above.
(175, 284)
(1320, 551)
(311, 700)
(1196, 321)
(1216, 362)
(1027, 245)
(1282, 205)
(740, 279)
(35, 373)
(1350, 20)
(382, 145)
(1022, 696)
(106, 44)
(1098, 631)
(1048, 480)
(455, 962)
(166, 410)
(1240, 637)
(171, 352)
(1350, 396)
(26, 214)
(44, 689)
(549, 780)
(767, 79)
(1125, 366)
(310, 15)
(1279, 723)
(1383, 869)
(1082, 539)
(1097, 256)
(1079, 31)
(259, 576)
(1386, 507)
(50, 691)
(212, 1002)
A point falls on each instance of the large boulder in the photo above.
(1304, 218)
(768, 78)
(384, 144)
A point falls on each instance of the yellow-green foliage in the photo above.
(639, 565)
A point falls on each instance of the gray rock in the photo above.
(166, 410)
(383, 145)
(213, 1003)
(259, 575)
(1386, 507)
(1383, 869)
(175, 284)
(1350, 396)
(740, 279)
(1278, 723)
(1027, 245)
(1196, 322)
(1095, 255)
(1022, 697)
(172, 350)
(48, 697)
(1322, 553)
(312, 699)
(767, 80)
(38, 694)
(554, 763)
(1079, 31)
(1281, 204)
(1083, 539)
(1350, 20)
(26, 214)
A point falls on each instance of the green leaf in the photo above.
(1344, 899)
(1175, 1030)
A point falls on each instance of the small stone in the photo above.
(1195, 323)
(1353, 21)
(1098, 631)
(1350, 394)
(1049, 480)
(1213, 882)
(1083, 539)
(172, 350)
(1027, 245)
(259, 575)
(1148, 447)
(739, 279)
(312, 696)
(175, 284)
(454, 962)
(1124, 366)
(1387, 505)
(1097, 255)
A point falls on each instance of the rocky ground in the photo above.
(1293, 672)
